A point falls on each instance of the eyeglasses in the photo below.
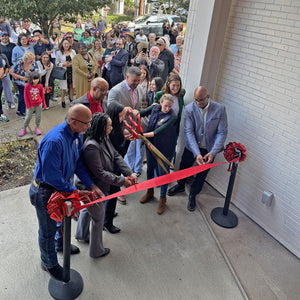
(69, 37)
(200, 100)
(85, 123)
(102, 90)
(159, 44)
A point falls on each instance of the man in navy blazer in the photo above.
(205, 128)
(117, 63)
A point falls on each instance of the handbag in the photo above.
(58, 73)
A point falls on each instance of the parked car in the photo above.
(153, 23)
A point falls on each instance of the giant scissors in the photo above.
(138, 134)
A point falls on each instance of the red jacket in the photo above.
(34, 95)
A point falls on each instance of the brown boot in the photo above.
(161, 205)
(148, 196)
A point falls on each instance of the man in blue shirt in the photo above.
(41, 45)
(58, 160)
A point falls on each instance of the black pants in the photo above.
(187, 160)
(110, 206)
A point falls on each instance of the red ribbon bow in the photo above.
(57, 208)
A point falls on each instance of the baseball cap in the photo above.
(3, 33)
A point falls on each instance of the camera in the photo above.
(144, 50)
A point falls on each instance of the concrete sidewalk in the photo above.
(172, 256)
(178, 255)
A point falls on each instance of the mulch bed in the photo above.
(17, 162)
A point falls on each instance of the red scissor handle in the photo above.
(135, 135)
(131, 180)
(138, 125)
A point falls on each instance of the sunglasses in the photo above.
(159, 44)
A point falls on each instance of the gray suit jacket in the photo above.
(101, 159)
(119, 93)
(214, 131)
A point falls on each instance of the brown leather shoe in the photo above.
(161, 205)
(148, 196)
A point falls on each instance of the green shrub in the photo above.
(117, 18)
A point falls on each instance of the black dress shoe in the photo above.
(115, 214)
(106, 251)
(83, 241)
(178, 188)
(56, 272)
(192, 203)
(112, 229)
(74, 249)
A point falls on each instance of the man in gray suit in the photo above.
(128, 92)
(94, 98)
(205, 128)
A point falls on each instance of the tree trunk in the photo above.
(141, 7)
(44, 26)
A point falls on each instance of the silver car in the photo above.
(153, 23)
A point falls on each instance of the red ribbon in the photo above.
(57, 207)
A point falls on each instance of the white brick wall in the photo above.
(259, 82)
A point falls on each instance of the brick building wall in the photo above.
(259, 83)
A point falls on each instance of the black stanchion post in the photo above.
(223, 216)
(72, 284)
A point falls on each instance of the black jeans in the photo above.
(187, 160)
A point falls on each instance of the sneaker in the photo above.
(12, 106)
(6, 106)
(20, 114)
(38, 131)
(4, 118)
(22, 132)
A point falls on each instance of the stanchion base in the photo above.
(227, 221)
(66, 290)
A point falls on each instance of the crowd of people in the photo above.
(87, 51)
(109, 74)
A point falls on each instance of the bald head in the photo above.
(99, 88)
(79, 118)
(201, 97)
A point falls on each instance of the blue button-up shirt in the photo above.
(59, 158)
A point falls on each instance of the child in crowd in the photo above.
(109, 52)
(160, 132)
(34, 100)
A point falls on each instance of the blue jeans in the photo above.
(153, 165)
(21, 101)
(135, 155)
(9, 100)
(47, 227)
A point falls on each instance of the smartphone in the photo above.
(144, 50)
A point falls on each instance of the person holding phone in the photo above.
(155, 65)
